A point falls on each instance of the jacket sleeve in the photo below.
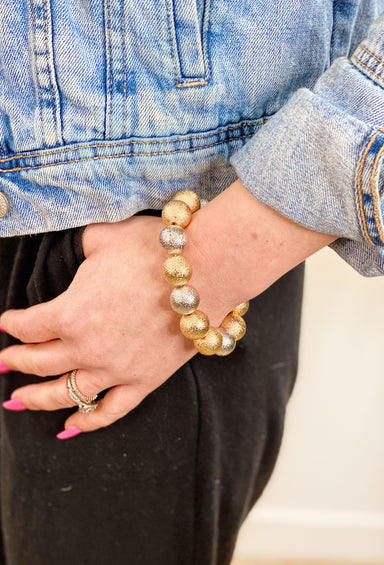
(319, 160)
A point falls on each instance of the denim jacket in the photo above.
(107, 107)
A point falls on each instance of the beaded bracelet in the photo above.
(194, 324)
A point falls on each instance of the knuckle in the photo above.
(62, 398)
(65, 322)
(35, 367)
(91, 353)
(105, 419)
(89, 385)
(19, 331)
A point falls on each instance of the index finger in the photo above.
(34, 324)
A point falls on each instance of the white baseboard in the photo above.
(306, 534)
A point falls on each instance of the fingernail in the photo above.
(14, 404)
(4, 368)
(69, 432)
(1, 328)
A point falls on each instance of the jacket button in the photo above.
(4, 206)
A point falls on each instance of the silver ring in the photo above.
(85, 403)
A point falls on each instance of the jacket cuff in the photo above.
(318, 160)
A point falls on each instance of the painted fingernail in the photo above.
(69, 432)
(1, 328)
(4, 368)
(15, 404)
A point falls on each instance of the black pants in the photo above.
(169, 484)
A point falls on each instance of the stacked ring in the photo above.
(85, 403)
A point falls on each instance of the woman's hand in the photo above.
(114, 323)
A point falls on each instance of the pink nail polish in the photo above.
(1, 328)
(15, 404)
(4, 368)
(69, 432)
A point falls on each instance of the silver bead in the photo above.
(228, 345)
(173, 239)
(184, 299)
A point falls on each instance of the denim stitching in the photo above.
(359, 186)
(122, 15)
(207, 57)
(368, 68)
(261, 121)
(49, 67)
(374, 195)
(109, 110)
(132, 154)
(36, 71)
(171, 41)
(381, 61)
(191, 82)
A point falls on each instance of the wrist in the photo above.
(239, 247)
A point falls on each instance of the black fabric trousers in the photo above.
(169, 484)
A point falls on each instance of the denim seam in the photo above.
(372, 54)
(122, 16)
(48, 100)
(359, 186)
(171, 41)
(206, 52)
(138, 154)
(58, 151)
(39, 98)
(376, 213)
(50, 69)
(363, 211)
(186, 83)
(381, 79)
(109, 71)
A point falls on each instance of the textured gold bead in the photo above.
(177, 270)
(241, 309)
(235, 325)
(189, 197)
(176, 212)
(211, 343)
(195, 325)
(228, 345)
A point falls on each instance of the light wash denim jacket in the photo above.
(107, 107)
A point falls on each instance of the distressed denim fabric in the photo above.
(107, 107)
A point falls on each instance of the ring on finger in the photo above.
(85, 403)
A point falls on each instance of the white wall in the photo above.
(326, 497)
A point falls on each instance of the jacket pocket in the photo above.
(188, 22)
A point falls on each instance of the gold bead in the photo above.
(177, 270)
(241, 309)
(211, 343)
(195, 325)
(176, 212)
(190, 198)
(235, 325)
